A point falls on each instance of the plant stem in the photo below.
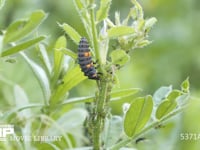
(95, 39)
(104, 89)
(153, 125)
(100, 113)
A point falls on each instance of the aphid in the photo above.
(139, 140)
(85, 60)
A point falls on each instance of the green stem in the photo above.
(95, 39)
(100, 114)
(103, 89)
(153, 125)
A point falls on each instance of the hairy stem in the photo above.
(100, 113)
(104, 89)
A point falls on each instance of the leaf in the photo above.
(69, 53)
(115, 32)
(183, 99)
(102, 13)
(41, 76)
(161, 93)
(173, 95)
(69, 122)
(11, 60)
(185, 86)
(45, 58)
(139, 11)
(71, 32)
(47, 145)
(165, 108)
(138, 115)
(168, 104)
(20, 96)
(103, 43)
(149, 23)
(78, 100)
(119, 57)
(21, 28)
(1, 44)
(21, 100)
(2, 2)
(21, 46)
(142, 43)
(113, 128)
(117, 18)
(124, 93)
(78, 4)
(58, 58)
(9, 113)
(118, 95)
(71, 79)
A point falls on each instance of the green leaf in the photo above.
(124, 93)
(117, 18)
(41, 76)
(117, 95)
(119, 57)
(21, 28)
(142, 43)
(149, 23)
(183, 99)
(113, 128)
(21, 100)
(102, 13)
(78, 100)
(1, 44)
(71, 79)
(78, 4)
(138, 115)
(115, 32)
(2, 2)
(161, 93)
(22, 46)
(45, 58)
(58, 58)
(71, 32)
(165, 108)
(46, 145)
(69, 122)
(139, 11)
(173, 95)
(57, 128)
(185, 86)
(10, 60)
(168, 104)
(69, 53)
(9, 113)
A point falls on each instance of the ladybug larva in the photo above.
(85, 60)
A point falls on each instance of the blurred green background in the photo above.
(173, 56)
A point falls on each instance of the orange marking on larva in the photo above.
(89, 65)
(94, 75)
(87, 54)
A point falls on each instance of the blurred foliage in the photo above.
(173, 37)
(173, 56)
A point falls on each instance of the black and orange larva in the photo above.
(85, 60)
